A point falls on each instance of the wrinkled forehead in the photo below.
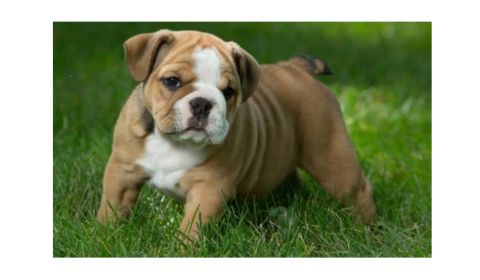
(199, 56)
(193, 39)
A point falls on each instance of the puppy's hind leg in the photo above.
(329, 156)
(338, 172)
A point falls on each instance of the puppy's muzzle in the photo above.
(200, 108)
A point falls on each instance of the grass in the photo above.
(383, 82)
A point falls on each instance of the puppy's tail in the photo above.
(312, 65)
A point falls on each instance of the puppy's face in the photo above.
(193, 82)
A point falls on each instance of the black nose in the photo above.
(200, 107)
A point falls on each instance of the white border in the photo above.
(26, 147)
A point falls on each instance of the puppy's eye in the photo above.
(172, 83)
(228, 92)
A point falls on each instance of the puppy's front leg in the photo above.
(122, 183)
(203, 203)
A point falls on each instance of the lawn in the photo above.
(383, 82)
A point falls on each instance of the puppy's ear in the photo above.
(141, 52)
(248, 70)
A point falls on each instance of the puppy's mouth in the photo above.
(196, 126)
(192, 135)
(197, 129)
(193, 125)
(192, 129)
(197, 123)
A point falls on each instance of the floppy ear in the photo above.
(248, 70)
(141, 52)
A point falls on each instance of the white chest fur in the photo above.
(166, 161)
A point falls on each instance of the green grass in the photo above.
(383, 82)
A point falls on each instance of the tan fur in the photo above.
(290, 120)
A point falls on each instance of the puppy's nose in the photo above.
(200, 107)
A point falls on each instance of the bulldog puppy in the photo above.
(207, 124)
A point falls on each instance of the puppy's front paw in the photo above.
(187, 239)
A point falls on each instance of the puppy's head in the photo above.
(193, 82)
